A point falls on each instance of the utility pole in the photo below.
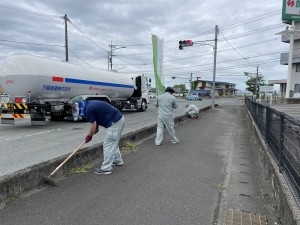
(110, 53)
(187, 43)
(215, 65)
(191, 83)
(66, 19)
(108, 58)
(256, 82)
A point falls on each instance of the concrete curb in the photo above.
(288, 209)
(15, 184)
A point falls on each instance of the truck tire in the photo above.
(143, 106)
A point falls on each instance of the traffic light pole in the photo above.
(187, 43)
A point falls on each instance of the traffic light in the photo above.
(185, 43)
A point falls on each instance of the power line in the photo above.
(26, 11)
(88, 38)
(28, 43)
(251, 20)
(259, 30)
(233, 47)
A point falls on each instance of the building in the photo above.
(221, 88)
(294, 79)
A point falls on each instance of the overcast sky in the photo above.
(246, 39)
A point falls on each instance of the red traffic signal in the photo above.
(189, 42)
(185, 43)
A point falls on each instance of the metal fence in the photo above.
(282, 136)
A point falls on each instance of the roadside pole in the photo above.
(187, 43)
(215, 65)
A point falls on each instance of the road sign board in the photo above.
(266, 88)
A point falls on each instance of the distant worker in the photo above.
(192, 111)
(100, 113)
(165, 104)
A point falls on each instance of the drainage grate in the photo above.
(238, 217)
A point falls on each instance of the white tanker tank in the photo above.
(53, 85)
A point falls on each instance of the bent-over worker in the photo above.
(192, 111)
(100, 113)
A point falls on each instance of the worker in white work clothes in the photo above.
(165, 104)
(192, 111)
(100, 113)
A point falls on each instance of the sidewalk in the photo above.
(214, 168)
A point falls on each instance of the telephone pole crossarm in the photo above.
(110, 53)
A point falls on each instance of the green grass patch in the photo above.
(221, 187)
(79, 170)
(128, 146)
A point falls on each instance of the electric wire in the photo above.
(26, 11)
(28, 43)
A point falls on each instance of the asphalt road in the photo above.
(292, 110)
(23, 145)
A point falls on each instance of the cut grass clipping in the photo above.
(79, 170)
(128, 147)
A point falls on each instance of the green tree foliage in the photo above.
(195, 84)
(253, 83)
(180, 86)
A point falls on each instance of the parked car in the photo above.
(193, 97)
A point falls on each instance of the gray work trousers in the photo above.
(168, 122)
(111, 151)
(193, 113)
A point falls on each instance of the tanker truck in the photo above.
(38, 88)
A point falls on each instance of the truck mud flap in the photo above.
(38, 118)
(38, 121)
(37, 114)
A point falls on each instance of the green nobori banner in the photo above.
(291, 10)
(157, 45)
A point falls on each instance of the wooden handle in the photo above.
(73, 153)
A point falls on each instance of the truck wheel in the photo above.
(143, 106)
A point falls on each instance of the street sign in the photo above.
(290, 10)
(266, 88)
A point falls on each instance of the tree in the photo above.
(181, 87)
(253, 83)
(195, 84)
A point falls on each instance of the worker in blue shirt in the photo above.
(99, 113)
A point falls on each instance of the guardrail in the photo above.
(282, 136)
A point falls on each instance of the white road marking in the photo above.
(31, 135)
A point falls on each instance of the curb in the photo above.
(17, 183)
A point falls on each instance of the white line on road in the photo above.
(34, 134)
